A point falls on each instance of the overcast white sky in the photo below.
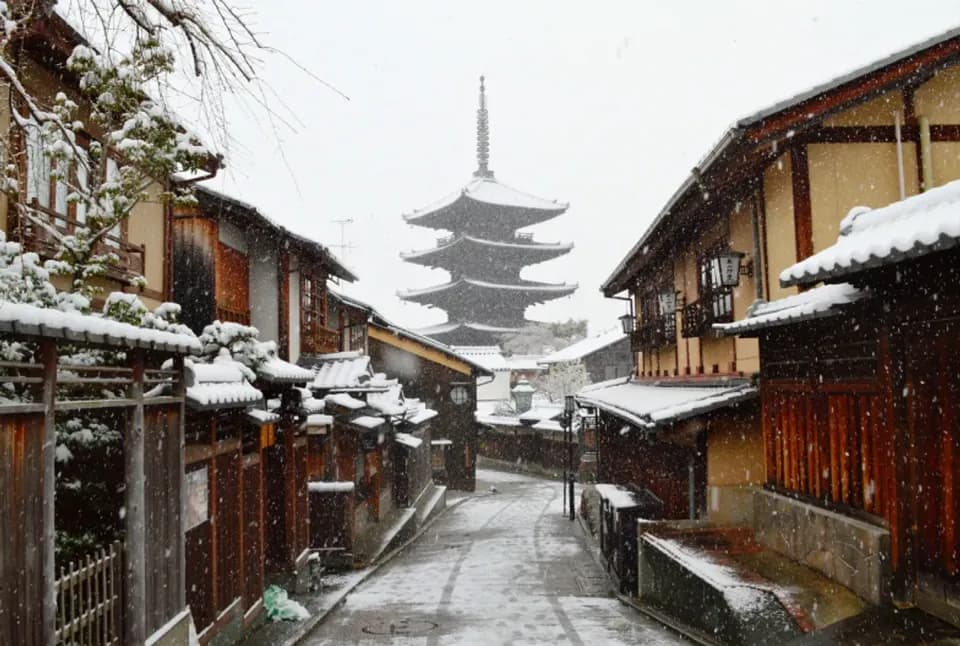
(605, 105)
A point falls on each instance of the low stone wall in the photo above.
(849, 551)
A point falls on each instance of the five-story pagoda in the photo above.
(485, 296)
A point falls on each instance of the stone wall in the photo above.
(849, 551)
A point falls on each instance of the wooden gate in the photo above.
(89, 598)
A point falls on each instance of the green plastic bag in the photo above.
(280, 607)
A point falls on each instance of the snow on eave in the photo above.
(520, 246)
(29, 320)
(528, 286)
(368, 422)
(345, 401)
(483, 190)
(910, 228)
(276, 370)
(259, 416)
(330, 487)
(214, 396)
(585, 347)
(820, 302)
(408, 440)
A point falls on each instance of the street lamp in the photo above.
(725, 268)
(628, 322)
(569, 409)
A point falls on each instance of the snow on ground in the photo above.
(499, 568)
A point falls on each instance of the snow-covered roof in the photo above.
(910, 228)
(408, 440)
(617, 496)
(820, 302)
(498, 420)
(525, 362)
(450, 326)
(367, 421)
(441, 442)
(489, 356)
(421, 415)
(538, 413)
(344, 400)
(550, 425)
(584, 347)
(260, 416)
(221, 384)
(318, 419)
(522, 286)
(545, 248)
(276, 370)
(29, 320)
(346, 371)
(651, 404)
(488, 190)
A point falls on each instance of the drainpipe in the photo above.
(692, 488)
(758, 268)
(926, 159)
(896, 129)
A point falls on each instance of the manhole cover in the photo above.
(400, 627)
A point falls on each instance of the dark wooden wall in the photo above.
(617, 355)
(520, 443)
(661, 467)
(194, 248)
(21, 515)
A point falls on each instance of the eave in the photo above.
(527, 253)
(526, 289)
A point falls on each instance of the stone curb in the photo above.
(689, 632)
(309, 624)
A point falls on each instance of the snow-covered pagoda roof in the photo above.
(220, 384)
(531, 288)
(30, 320)
(453, 326)
(649, 405)
(485, 198)
(910, 228)
(820, 302)
(452, 251)
(585, 347)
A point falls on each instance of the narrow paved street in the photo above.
(503, 568)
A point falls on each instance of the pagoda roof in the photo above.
(454, 248)
(483, 198)
(453, 326)
(554, 290)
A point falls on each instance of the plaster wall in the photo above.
(843, 176)
(781, 239)
(876, 112)
(265, 291)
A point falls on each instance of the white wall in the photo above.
(232, 236)
(265, 291)
(497, 389)
(294, 315)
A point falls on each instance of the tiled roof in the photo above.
(820, 302)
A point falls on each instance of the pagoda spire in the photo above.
(483, 136)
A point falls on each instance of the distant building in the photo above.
(485, 296)
(606, 356)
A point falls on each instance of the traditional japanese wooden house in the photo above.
(372, 463)
(861, 402)
(444, 380)
(772, 192)
(141, 243)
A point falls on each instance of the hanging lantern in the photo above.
(725, 268)
(569, 405)
(627, 322)
(668, 302)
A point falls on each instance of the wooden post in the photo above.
(180, 390)
(48, 357)
(135, 621)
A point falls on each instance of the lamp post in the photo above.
(569, 408)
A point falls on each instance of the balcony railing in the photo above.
(234, 316)
(699, 316)
(654, 334)
(39, 239)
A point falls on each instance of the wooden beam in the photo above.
(48, 358)
(179, 392)
(802, 213)
(419, 349)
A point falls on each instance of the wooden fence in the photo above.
(89, 596)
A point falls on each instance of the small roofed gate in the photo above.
(145, 407)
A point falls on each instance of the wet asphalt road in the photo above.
(505, 568)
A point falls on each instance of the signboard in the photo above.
(198, 498)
